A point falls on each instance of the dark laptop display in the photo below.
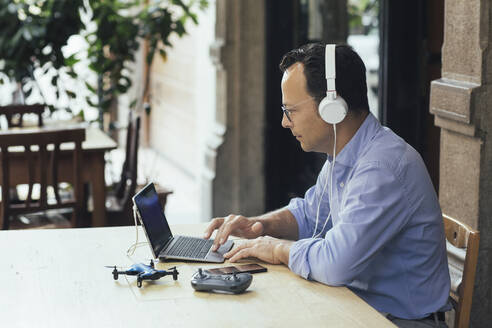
(162, 242)
(155, 222)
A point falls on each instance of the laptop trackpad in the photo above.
(218, 255)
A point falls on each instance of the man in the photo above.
(372, 222)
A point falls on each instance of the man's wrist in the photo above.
(279, 224)
(282, 251)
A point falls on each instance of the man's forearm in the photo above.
(280, 224)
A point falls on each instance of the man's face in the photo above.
(306, 125)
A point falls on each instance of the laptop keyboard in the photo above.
(190, 247)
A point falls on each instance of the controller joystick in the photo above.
(236, 284)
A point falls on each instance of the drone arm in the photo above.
(129, 272)
(153, 275)
(172, 272)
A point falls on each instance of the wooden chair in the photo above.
(462, 247)
(42, 166)
(15, 118)
(119, 197)
(18, 111)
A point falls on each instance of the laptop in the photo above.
(163, 244)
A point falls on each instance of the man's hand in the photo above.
(236, 225)
(268, 249)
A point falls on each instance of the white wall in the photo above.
(183, 112)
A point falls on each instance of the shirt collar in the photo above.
(349, 154)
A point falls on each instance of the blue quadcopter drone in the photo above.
(145, 272)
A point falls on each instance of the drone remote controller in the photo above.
(232, 283)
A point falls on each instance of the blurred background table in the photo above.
(97, 143)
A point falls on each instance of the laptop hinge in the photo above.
(166, 245)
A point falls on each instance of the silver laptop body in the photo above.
(162, 243)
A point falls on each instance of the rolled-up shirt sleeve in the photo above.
(372, 211)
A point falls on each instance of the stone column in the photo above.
(236, 151)
(461, 102)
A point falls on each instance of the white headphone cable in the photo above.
(319, 204)
(131, 250)
(331, 188)
(331, 181)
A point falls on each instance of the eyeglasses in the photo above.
(288, 111)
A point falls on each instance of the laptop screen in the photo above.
(153, 218)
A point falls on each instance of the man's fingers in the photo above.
(246, 252)
(232, 223)
(219, 235)
(236, 249)
(215, 246)
(216, 223)
(228, 225)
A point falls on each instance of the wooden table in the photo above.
(97, 143)
(94, 148)
(56, 278)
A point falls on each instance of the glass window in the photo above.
(363, 36)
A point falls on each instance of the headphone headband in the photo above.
(330, 70)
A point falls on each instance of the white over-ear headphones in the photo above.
(332, 108)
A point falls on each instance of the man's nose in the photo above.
(286, 123)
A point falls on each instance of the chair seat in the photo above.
(51, 219)
(47, 220)
(116, 213)
(113, 204)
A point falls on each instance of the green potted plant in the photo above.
(120, 29)
(32, 34)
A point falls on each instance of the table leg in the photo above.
(98, 192)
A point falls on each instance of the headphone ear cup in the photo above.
(333, 111)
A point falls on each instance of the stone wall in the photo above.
(239, 52)
(461, 102)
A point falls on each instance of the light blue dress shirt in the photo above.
(385, 240)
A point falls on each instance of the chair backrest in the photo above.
(40, 164)
(125, 188)
(462, 247)
(12, 111)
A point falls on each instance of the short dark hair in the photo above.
(350, 73)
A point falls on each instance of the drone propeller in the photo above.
(115, 271)
(174, 272)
